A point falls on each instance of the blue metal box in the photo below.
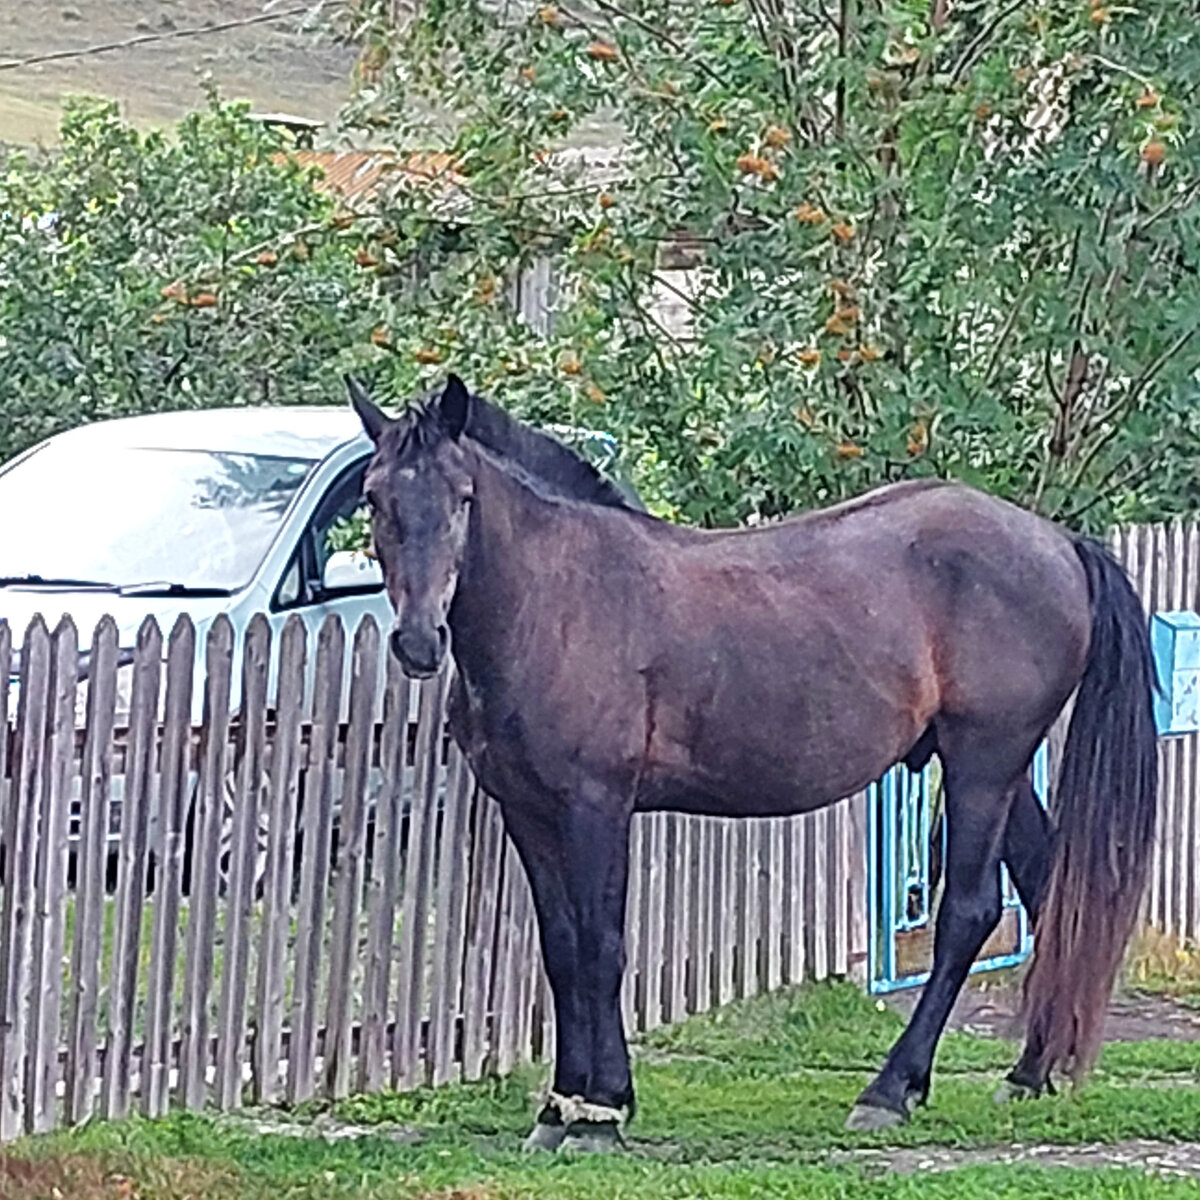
(1175, 638)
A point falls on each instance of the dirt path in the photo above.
(992, 1009)
(1157, 1158)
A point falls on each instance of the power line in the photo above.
(142, 39)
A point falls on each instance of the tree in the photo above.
(141, 272)
(929, 238)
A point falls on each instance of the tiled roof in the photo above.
(356, 174)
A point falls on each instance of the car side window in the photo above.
(301, 582)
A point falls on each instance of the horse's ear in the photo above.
(455, 406)
(372, 417)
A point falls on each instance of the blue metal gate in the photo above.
(902, 838)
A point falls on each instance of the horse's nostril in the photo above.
(443, 639)
(397, 644)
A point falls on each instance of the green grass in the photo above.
(746, 1102)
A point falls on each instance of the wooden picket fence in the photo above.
(1164, 563)
(388, 940)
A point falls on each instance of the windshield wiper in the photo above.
(99, 585)
(162, 587)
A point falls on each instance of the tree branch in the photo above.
(979, 43)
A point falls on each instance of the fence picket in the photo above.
(314, 863)
(131, 872)
(352, 846)
(168, 857)
(20, 841)
(95, 793)
(239, 906)
(51, 882)
(698, 913)
(450, 912)
(271, 980)
(418, 884)
(202, 896)
(675, 917)
(386, 866)
(489, 841)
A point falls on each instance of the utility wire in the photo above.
(142, 39)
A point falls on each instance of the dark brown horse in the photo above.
(610, 663)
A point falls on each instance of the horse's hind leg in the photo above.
(1027, 855)
(1027, 847)
(979, 791)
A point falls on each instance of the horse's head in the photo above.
(419, 486)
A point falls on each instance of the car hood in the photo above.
(19, 606)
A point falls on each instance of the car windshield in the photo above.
(129, 517)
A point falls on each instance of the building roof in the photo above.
(357, 174)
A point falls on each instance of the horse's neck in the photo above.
(512, 532)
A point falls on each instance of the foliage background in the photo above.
(934, 238)
(141, 272)
(923, 238)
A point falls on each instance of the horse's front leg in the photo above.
(576, 858)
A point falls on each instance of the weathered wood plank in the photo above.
(449, 930)
(314, 862)
(859, 931)
(506, 992)
(95, 793)
(131, 872)
(745, 882)
(168, 854)
(412, 958)
(20, 841)
(724, 912)
(46, 1011)
(631, 984)
(1192, 601)
(271, 979)
(675, 917)
(202, 895)
(352, 848)
(386, 867)
(816, 915)
(489, 842)
(698, 883)
(773, 901)
(839, 875)
(239, 905)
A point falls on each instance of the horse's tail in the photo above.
(1104, 810)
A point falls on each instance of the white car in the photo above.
(204, 512)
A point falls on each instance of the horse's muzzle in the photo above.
(420, 652)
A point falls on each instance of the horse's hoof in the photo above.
(545, 1137)
(591, 1137)
(871, 1118)
(1010, 1092)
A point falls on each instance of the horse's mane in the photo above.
(539, 459)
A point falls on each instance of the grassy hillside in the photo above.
(273, 65)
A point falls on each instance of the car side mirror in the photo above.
(351, 571)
